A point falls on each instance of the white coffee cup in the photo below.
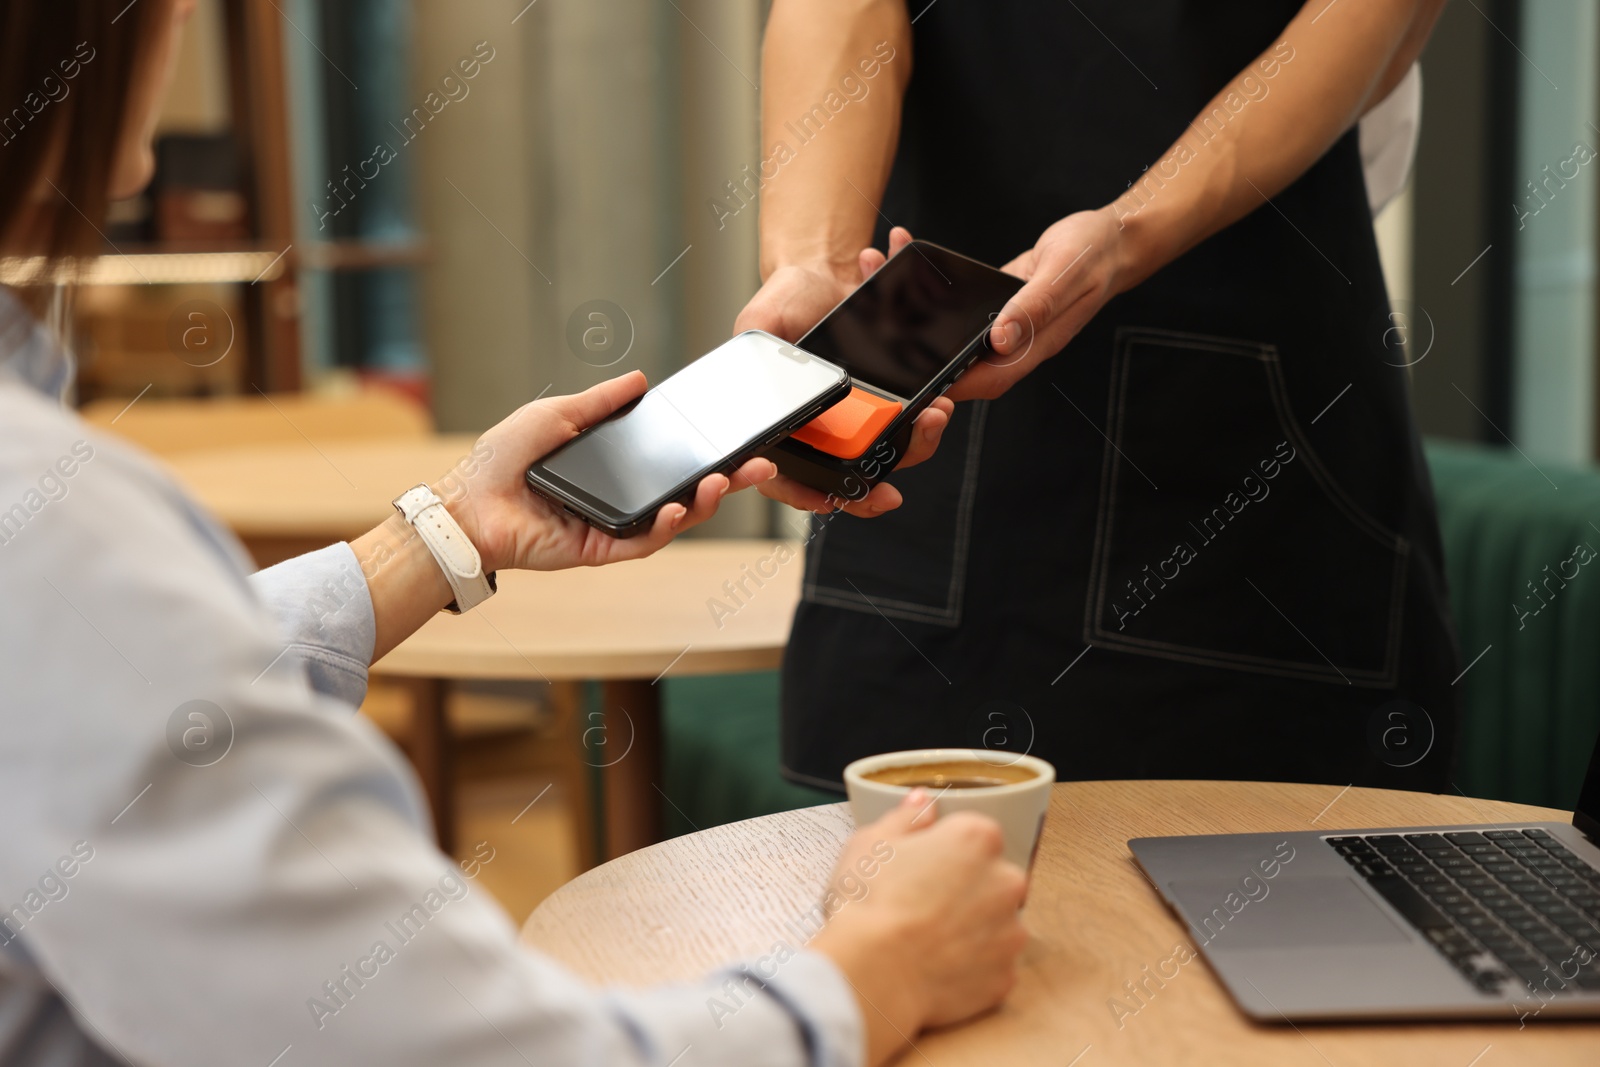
(1019, 807)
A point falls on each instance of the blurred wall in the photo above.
(1553, 379)
(197, 101)
(716, 46)
(478, 189)
(564, 198)
(1455, 280)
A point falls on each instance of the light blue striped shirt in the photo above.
(208, 858)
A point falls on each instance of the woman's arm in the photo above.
(511, 526)
(171, 762)
(1260, 133)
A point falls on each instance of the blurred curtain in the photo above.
(565, 197)
(1558, 158)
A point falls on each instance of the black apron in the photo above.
(1200, 542)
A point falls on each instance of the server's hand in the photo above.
(925, 434)
(1071, 273)
(794, 299)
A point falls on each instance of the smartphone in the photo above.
(708, 418)
(905, 336)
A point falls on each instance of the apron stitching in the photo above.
(1397, 544)
(902, 608)
(1369, 673)
(1353, 511)
(969, 492)
(1109, 470)
(812, 567)
(1126, 338)
(955, 592)
(1359, 679)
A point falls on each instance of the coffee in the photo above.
(952, 774)
(1013, 789)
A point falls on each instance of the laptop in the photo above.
(1421, 922)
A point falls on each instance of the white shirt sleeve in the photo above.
(324, 614)
(255, 885)
(1388, 137)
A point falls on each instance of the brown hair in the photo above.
(66, 70)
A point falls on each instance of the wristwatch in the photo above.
(457, 557)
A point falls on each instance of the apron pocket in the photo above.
(1221, 538)
(912, 562)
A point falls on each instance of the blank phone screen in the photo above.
(908, 321)
(719, 405)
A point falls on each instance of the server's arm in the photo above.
(1299, 96)
(823, 172)
(1410, 49)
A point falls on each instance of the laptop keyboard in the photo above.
(1507, 908)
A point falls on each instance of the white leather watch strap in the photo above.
(457, 557)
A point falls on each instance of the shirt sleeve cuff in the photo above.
(787, 1009)
(816, 993)
(324, 616)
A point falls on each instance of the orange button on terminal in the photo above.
(849, 427)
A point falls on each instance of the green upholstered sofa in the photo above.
(720, 750)
(1532, 698)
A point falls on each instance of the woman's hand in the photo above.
(794, 299)
(1071, 272)
(924, 921)
(511, 526)
(515, 528)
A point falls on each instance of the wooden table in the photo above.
(625, 625)
(673, 911)
(285, 499)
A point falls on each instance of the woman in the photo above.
(164, 906)
(1200, 541)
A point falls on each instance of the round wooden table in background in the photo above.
(680, 908)
(283, 499)
(628, 626)
(625, 626)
